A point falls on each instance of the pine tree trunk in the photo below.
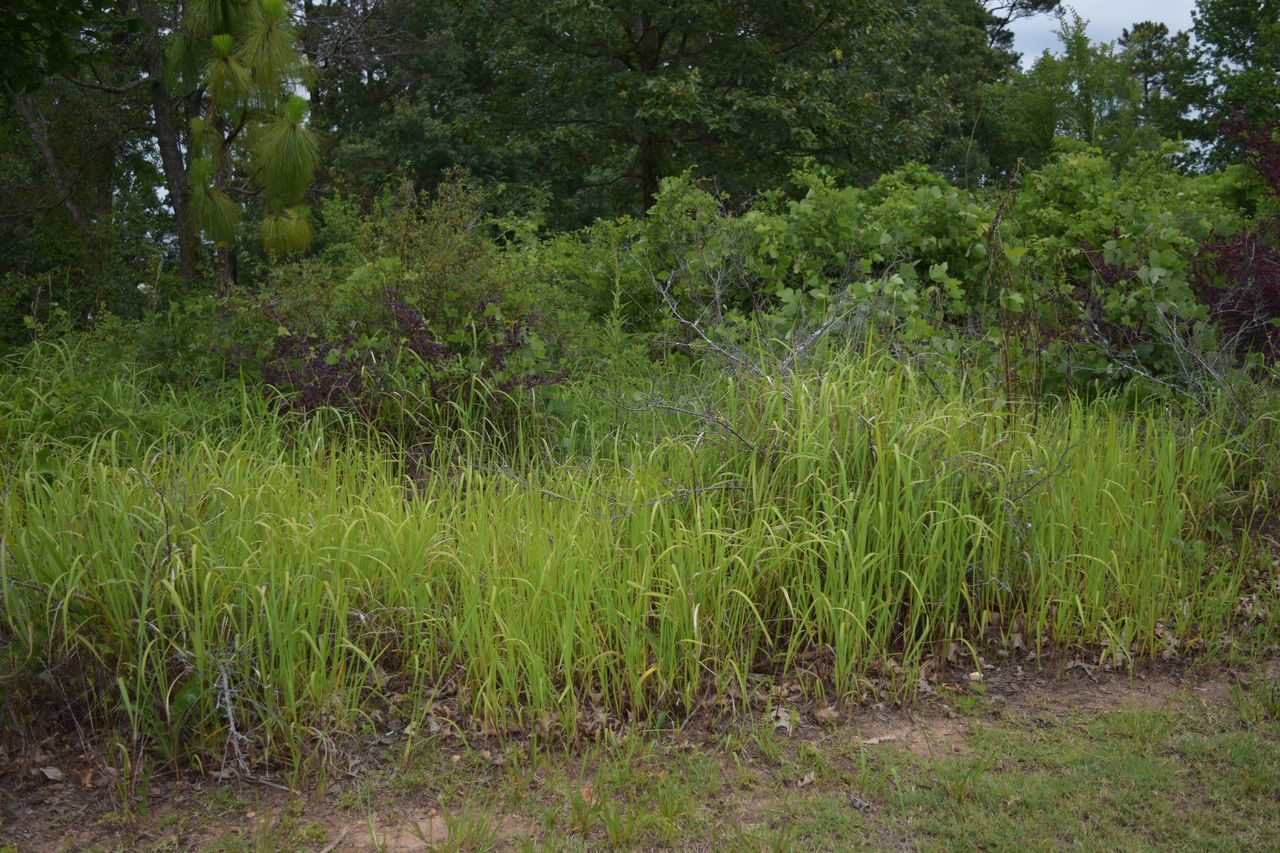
(169, 143)
(227, 271)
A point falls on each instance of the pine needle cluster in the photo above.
(251, 142)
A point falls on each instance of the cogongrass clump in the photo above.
(270, 587)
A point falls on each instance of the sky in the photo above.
(1107, 18)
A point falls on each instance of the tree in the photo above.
(405, 88)
(250, 139)
(42, 38)
(214, 81)
(958, 48)
(1003, 13)
(166, 127)
(1086, 93)
(589, 105)
(82, 221)
(1242, 39)
(1169, 75)
(606, 98)
(44, 42)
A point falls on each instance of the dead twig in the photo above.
(715, 420)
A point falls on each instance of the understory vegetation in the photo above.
(219, 580)
(501, 450)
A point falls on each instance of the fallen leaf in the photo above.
(827, 715)
(1086, 668)
(859, 803)
(782, 720)
(53, 774)
(806, 781)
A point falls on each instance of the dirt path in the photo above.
(56, 798)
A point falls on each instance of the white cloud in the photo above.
(1107, 19)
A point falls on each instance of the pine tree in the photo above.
(1167, 69)
(250, 139)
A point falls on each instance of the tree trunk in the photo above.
(649, 176)
(40, 138)
(649, 52)
(169, 143)
(105, 141)
(228, 271)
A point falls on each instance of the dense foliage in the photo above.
(163, 150)
(548, 367)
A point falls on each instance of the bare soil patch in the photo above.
(54, 796)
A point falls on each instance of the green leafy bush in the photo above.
(1107, 258)
(1077, 277)
(406, 312)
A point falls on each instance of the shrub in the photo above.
(405, 310)
(1081, 276)
(1237, 276)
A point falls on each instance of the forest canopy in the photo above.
(246, 150)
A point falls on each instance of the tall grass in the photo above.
(258, 585)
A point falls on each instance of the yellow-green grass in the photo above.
(258, 585)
